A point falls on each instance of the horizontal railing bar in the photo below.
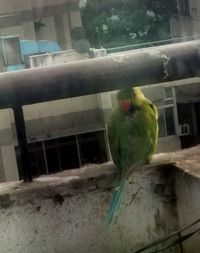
(143, 67)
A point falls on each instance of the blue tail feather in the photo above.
(115, 202)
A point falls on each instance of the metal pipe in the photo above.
(45, 158)
(22, 142)
(140, 67)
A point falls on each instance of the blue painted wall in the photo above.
(31, 47)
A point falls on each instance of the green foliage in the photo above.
(112, 23)
(38, 24)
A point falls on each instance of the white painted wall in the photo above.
(13, 30)
(56, 58)
(29, 31)
(5, 118)
(9, 163)
(10, 6)
(59, 107)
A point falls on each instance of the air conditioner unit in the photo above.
(95, 53)
(184, 129)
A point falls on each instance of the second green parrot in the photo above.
(132, 135)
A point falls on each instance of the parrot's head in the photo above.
(130, 98)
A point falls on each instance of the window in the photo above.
(166, 122)
(11, 51)
(197, 112)
(184, 7)
(65, 153)
(37, 159)
(92, 147)
(163, 98)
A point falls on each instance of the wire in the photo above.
(167, 238)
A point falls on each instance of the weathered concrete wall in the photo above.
(8, 6)
(188, 203)
(183, 27)
(187, 191)
(66, 212)
(60, 107)
(68, 124)
(62, 214)
(9, 163)
(187, 25)
(169, 144)
(187, 182)
(49, 31)
(14, 30)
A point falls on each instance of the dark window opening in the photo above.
(65, 153)
(68, 153)
(189, 114)
(92, 147)
(169, 121)
(197, 114)
(184, 8)
(37, 160)
(166, 122)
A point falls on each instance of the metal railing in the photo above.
(151, 44)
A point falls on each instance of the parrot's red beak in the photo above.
(125, 105)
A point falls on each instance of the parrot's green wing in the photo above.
(132, 138)
(114, 142)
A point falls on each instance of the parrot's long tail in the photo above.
(115, 202)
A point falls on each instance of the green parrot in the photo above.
(133, 135)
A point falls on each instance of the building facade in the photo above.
(187, 22)
(29, 28)
(71, 133)
(40, 20)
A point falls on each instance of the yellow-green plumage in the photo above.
(132, 135)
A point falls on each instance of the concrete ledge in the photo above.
(65, 212)
(187, 160)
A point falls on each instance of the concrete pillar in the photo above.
(66, 24)
(75, 18)
(9, 163)
(2, 171)
(29, 31)
(58, 19)
(104, 100)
